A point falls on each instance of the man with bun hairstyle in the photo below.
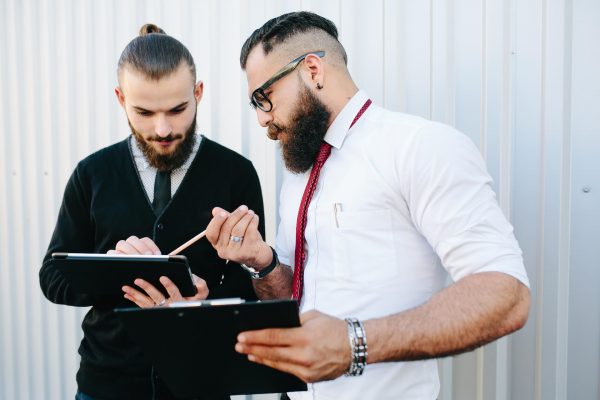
(157, 189)
(377, 210)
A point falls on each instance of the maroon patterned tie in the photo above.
(300, 253)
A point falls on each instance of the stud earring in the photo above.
(319, 86)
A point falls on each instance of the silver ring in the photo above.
(162, 303)
(236, 239)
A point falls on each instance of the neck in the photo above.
(341, 93)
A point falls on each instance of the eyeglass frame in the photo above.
(289, 67)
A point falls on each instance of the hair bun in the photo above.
(150, 28)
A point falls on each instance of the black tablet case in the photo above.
(192, 348)
(106, 274)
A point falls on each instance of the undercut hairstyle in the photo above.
(296, 33)
(155, 54)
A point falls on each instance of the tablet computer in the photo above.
(105, 274)
(192, 345)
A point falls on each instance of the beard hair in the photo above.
(302, 138)
(167, 162)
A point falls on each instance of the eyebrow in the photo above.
(184, 104)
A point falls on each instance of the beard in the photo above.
(173, 160)
(301, 139)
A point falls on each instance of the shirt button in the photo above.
(160, 226)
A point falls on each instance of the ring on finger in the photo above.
(236, 239)
(162, 302)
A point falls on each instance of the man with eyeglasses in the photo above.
(378, 208)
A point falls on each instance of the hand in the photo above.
(135, 245)
(154, 297)
(151, 297)
(319, 350)
(242, 223)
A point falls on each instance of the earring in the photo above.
(319, 86)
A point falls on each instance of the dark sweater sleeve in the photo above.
(73, 233)
(236, 281)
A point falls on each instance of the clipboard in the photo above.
(192, 346)
(105, 274)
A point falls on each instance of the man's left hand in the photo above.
(318, 350)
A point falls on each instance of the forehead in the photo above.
(260, 67)
(166, 92)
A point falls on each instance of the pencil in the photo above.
(188, 243)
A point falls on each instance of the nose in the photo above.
(264, 118)
(162, 126)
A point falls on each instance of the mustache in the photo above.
(169, 138)
(273, 130)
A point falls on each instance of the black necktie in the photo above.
(162, 191)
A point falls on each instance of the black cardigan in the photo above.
(104, 202)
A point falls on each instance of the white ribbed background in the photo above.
(518, 77)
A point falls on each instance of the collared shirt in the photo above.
(401, 203)
(148, 172)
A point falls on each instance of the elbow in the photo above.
(519, 313)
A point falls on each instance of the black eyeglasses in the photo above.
(259, 97)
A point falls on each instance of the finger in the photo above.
(273, 353)
(140, 245)
(138, 297)
(124, 247)
(227, 227)
(151, 245)
(252, 228)
(172, 289)
(213, 230)
(268, 337)
(240, 228)
(155, 295)
(201, 289)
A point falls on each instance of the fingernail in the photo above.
(251, 357)
(163, 279)
(137, 281)
(147, 253)
(243, 208)
(250, 212)
(239, 348)
(241, 338)
(223, 214)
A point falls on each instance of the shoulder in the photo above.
(221, 154)
(105, 156)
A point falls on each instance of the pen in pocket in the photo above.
(337, 207)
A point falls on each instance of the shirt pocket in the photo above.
(364, 247)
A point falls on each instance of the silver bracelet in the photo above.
(358, 347)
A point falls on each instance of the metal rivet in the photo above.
(586, 189)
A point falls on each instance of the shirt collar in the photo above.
(339, 128)
(142, 163)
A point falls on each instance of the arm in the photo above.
(470, 313)
(474, 311)
(73, 233)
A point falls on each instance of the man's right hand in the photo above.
(235, 236)
(149, 296)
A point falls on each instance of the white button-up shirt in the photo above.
(401, 203)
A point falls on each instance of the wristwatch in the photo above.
(254, 274)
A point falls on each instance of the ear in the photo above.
(316, 69)
(198, 91)
(120, 96)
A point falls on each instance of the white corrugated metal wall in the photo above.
(518, 77)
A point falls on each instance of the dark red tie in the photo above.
(300, 253)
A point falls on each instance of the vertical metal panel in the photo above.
(519, 78)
